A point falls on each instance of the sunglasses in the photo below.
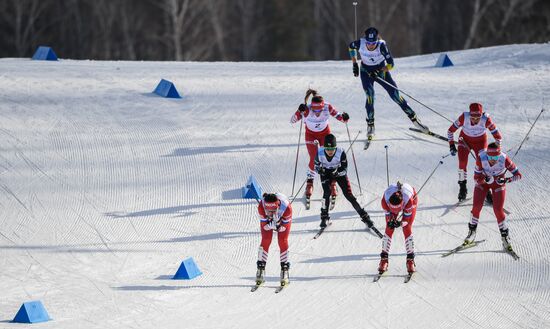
(493, 157)
(330, 148)
(370, 43)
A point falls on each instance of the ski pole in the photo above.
(411, 97)
(354, 163)
(525, 138)
(350, 145)
(421, 187)
(387, 166)
(297, 153)
(355, 15)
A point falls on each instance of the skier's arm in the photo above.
(384, 50)
(387, 212)
(511, 166)
(302, 111)
(262, 214)
(479, 176)
(317, 165)
(343, 168)
(492, 127)
(352, 49)
(454, 127)
(340, 116)
(287, 214)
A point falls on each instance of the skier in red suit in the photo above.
(275, 213)
(472, 137)
(397, 198)
(316, 118)
(491, 167)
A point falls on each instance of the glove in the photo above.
(355, 69)
(320, 170)
(497, 141)
(394, 224)
(516, 177)
(345, 117)
(302, 107)
(341, 173)
(489, 179)
(281, 228)
(503, 180)
(452, 149)
(332, 172)
(270, 226)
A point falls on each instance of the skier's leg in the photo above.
(282, 238)
(409, 241)
(463, 154)
(499, 196)
(479, 196)
(368, 88)
(267, 236)
(394, 94)
(325, 182)
(312, 151)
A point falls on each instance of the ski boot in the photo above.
(416, 122)
(505, 240)
(383, 265)
(489, 198)
(284, 273)
(463, 191)
(411, 266)
(325, 218)
(365, 218)
(260, 272)
(370, 130)
(470, 238)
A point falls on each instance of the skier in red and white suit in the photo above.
(491, 167)
(398, 197)
(275, 213)
(473, 136)
(316, 116)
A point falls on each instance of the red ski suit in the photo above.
(317, 128)
(408, 207)
(495, 172)
(279, 222)
(472, 136)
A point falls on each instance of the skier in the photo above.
(275, 213)
(472, 136)
(331, 163)
(376, 62)
(397, 198)
(316, 116)
(491, 167)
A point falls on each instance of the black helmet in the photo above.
(330, 141)
(371, 34)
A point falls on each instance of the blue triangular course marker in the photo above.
(188, 270)
(443, 61)
(45, 54)
(166, 89)
(32, 312)
(252, 190)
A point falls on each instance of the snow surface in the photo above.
(106, 188)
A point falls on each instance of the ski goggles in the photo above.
(370, 43)
(330, 148)
(493, 157)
